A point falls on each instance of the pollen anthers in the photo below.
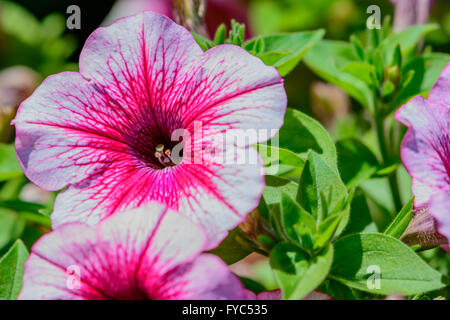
(164, 156)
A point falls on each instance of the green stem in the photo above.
(393, 183)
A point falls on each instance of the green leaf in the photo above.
(327, 229)
(407, 40)
(275, 186)
(252, 285)
(386, 170)
(9, 166)
(301, 133)
(397, 60)
(28, 210)
(363, 259)
(401, 221)
(356, 162)
(237, 33)
(360, 218)
(204, 43)
(11, 227)
(387, 89)
(19, 205)
(327, 58)
(11, 271)
(220, 35)
(360, 70)
(357, 45)
(231, 249)
(281, 162)
(379, 64)
(321, 190)
(52, 26)
(298, 224)
(378, 191)
(297, 273)
(420, 75)
(284, 51)
(19, 23)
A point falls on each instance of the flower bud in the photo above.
(422, 231)
(255, 231)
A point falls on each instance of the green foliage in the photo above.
(296, 272)
(328, 59)
(11, 271)
(420, 75)
(283, 51)
(356, 162)
(281, 162)
(376, 72)
(407, 41)
(9, 166)
(363, 259)
(232, 248)
(40, 45)
(321, 190)
(301, 133)
(299, 225)
(11, 227)
(401, 221)
(360, 220)
(275, 186)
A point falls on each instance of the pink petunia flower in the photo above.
(425, 149)
(277, 295)
(133, 255)
(107, 132)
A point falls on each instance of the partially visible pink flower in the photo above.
(425, 149)
(276, 295)
(134, 255)
(410, 12)
(142, 79)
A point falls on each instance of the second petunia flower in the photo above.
(426, 150)
(150, 253)
(107, 132)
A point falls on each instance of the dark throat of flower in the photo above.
(164, 156)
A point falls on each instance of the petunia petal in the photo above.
(270, 295)
(440, 209)
(425, 148)
(277, 295)
(65, 134)
(131, 254)
(219, 195)
(422, 193)
(233, 90)
(439, 94)
(207, 278)
(139, 60)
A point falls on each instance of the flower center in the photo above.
(164, 156)
(150, 140)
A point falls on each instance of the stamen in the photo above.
(160, 147)
(164, 156)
